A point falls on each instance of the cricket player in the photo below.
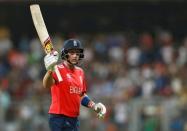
(68, 88)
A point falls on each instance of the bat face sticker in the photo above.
(48, 46)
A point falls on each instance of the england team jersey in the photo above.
(65, 93)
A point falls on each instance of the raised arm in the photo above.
(48, 80)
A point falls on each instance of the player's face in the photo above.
(73, 56)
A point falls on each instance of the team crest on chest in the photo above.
(68, 76)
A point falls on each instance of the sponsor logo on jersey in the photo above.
(75, 90)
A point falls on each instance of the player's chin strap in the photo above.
(72, 63)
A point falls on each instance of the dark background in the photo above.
(91, 17)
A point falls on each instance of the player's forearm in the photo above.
(86, 101)
(48, 80)
(99, 108)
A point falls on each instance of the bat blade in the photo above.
(41, 28)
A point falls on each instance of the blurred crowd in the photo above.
(140, 76)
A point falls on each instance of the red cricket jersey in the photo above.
(65, 93)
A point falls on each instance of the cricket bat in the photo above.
(41, 28)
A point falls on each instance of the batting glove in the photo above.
(50, 60)
(100, 109)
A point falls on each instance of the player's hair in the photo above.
(72, 44)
